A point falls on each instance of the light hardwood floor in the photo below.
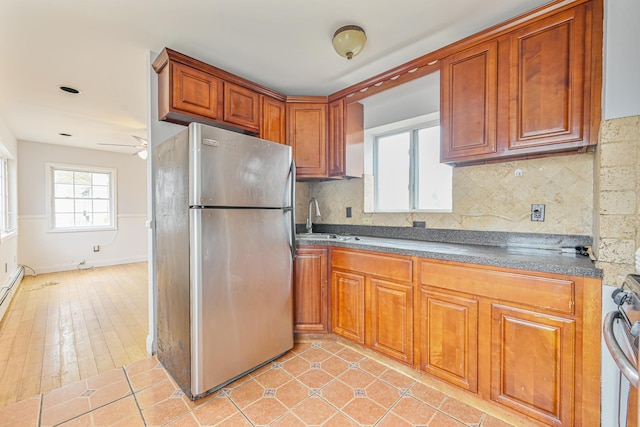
(67, 326)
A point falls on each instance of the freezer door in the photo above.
(241, 302)
(229, 169)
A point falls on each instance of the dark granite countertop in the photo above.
(524, 251)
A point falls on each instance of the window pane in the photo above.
(392, 174)
(101, 219)
(63, 190)
(82, 178)
(434, 179)
(83, 206)
(64, 205)
(100, 192)
(100, 206)
(83, 219)
(101, 179)
(82, 191)
(63, 177)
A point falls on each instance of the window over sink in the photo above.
(407, 173)
(402, 150)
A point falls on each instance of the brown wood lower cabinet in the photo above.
(390, 319)
(347, 305)
(449, 338)
(372, 301)
(311, 290)
(526, 341)
(532, 363)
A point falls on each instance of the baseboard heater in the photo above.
(9, 288)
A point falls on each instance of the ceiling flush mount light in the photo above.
(69, 89)
(349, 40)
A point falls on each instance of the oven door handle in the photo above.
(627, 368)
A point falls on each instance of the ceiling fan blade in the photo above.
(120, 145)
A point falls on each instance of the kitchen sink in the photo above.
(322, 236)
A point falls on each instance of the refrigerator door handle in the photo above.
(292, 208)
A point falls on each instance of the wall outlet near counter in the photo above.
(537, 213)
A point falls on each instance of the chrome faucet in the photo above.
(309, 225)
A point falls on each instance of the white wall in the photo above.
(47, 252)
(621, 59)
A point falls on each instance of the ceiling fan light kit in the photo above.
(348, 41)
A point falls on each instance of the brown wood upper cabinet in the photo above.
(346, 139)
(524, 93)
(190, 90)
(241, 106)
(273, 120)
(307, 129)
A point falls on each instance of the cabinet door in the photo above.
(532, 364)
(310, 290)
(449, 338)
(468, 103)
(336, 138)
(347, 305)
(547, 89)
(390, 322)
(272, 126)
(241, 106)
(307, 125)
(195, 92)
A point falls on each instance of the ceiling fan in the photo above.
(141, 147)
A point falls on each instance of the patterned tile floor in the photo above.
(319, 383)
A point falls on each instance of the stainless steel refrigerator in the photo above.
(225, 241)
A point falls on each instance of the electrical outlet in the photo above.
(537, 213)
(367, 221)
(96, 248)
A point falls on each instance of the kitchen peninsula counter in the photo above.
(524, 251)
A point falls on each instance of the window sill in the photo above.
(81, 230)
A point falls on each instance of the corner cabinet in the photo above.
(307, 135)
(311, 290)
(525, 93)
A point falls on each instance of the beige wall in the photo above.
(485, 197)
(617, 189)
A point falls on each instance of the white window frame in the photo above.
(412, 126)
(6, 226)
(51, 167)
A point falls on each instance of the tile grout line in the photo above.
(40, 410)
(133, 393)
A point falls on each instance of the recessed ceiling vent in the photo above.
(69, 89)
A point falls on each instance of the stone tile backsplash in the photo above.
(485, 198)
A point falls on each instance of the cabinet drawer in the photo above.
(543, 292)
(385, 266)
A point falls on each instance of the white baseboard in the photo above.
(9, 289)
(87, 265)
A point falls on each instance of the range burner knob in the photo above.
(635, 328)
(619, 296)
